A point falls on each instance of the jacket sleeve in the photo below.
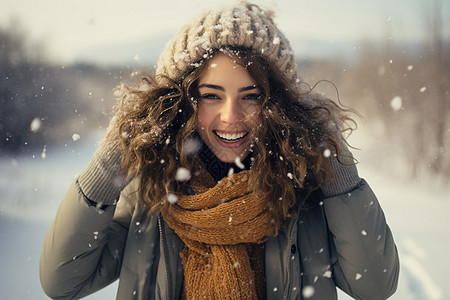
(364, 255)
(83, 247)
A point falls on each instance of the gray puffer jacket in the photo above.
(344, 242)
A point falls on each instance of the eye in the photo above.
(210, 96)
(253, 97)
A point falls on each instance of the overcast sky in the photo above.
(136, 29)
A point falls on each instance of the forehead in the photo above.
(225, 68)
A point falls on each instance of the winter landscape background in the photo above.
(56, 90)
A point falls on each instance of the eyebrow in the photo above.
(218, 87)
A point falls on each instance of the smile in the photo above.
(231, 137)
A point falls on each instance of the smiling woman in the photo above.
(229, 108)
(219, 178)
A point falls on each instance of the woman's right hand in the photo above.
(103, 179)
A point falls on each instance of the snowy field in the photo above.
(31, 187)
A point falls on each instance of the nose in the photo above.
(231, 111)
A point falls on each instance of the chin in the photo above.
(225, 157)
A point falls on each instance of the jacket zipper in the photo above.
(166, 256)
(288, 276)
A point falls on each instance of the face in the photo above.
(228, 108)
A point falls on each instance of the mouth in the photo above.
(228, 137)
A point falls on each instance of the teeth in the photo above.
(231, 137)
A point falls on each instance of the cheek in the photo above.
(202, 117)
(203, 123)
(254, 114)
(254, 120)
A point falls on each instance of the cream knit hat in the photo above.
(235, 25)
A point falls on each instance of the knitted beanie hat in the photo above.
(234, 25)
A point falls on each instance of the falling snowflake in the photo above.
(182, 174)
(75, 137)
(396, 103)
(44, 152)
(308, 291)
(191, 146)
(237, 162)
(327, 274)
(35, 125)
(172, 198)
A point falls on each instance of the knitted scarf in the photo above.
(223, 226)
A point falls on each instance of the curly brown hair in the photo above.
(156, 123)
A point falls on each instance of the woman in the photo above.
(232, 183)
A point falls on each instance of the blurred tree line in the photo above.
(46, 104)
(407, 89)
(401, 90)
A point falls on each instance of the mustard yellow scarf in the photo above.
(223, 226)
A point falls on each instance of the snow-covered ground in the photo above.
(418, 213)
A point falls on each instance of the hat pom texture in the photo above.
(234, 25)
